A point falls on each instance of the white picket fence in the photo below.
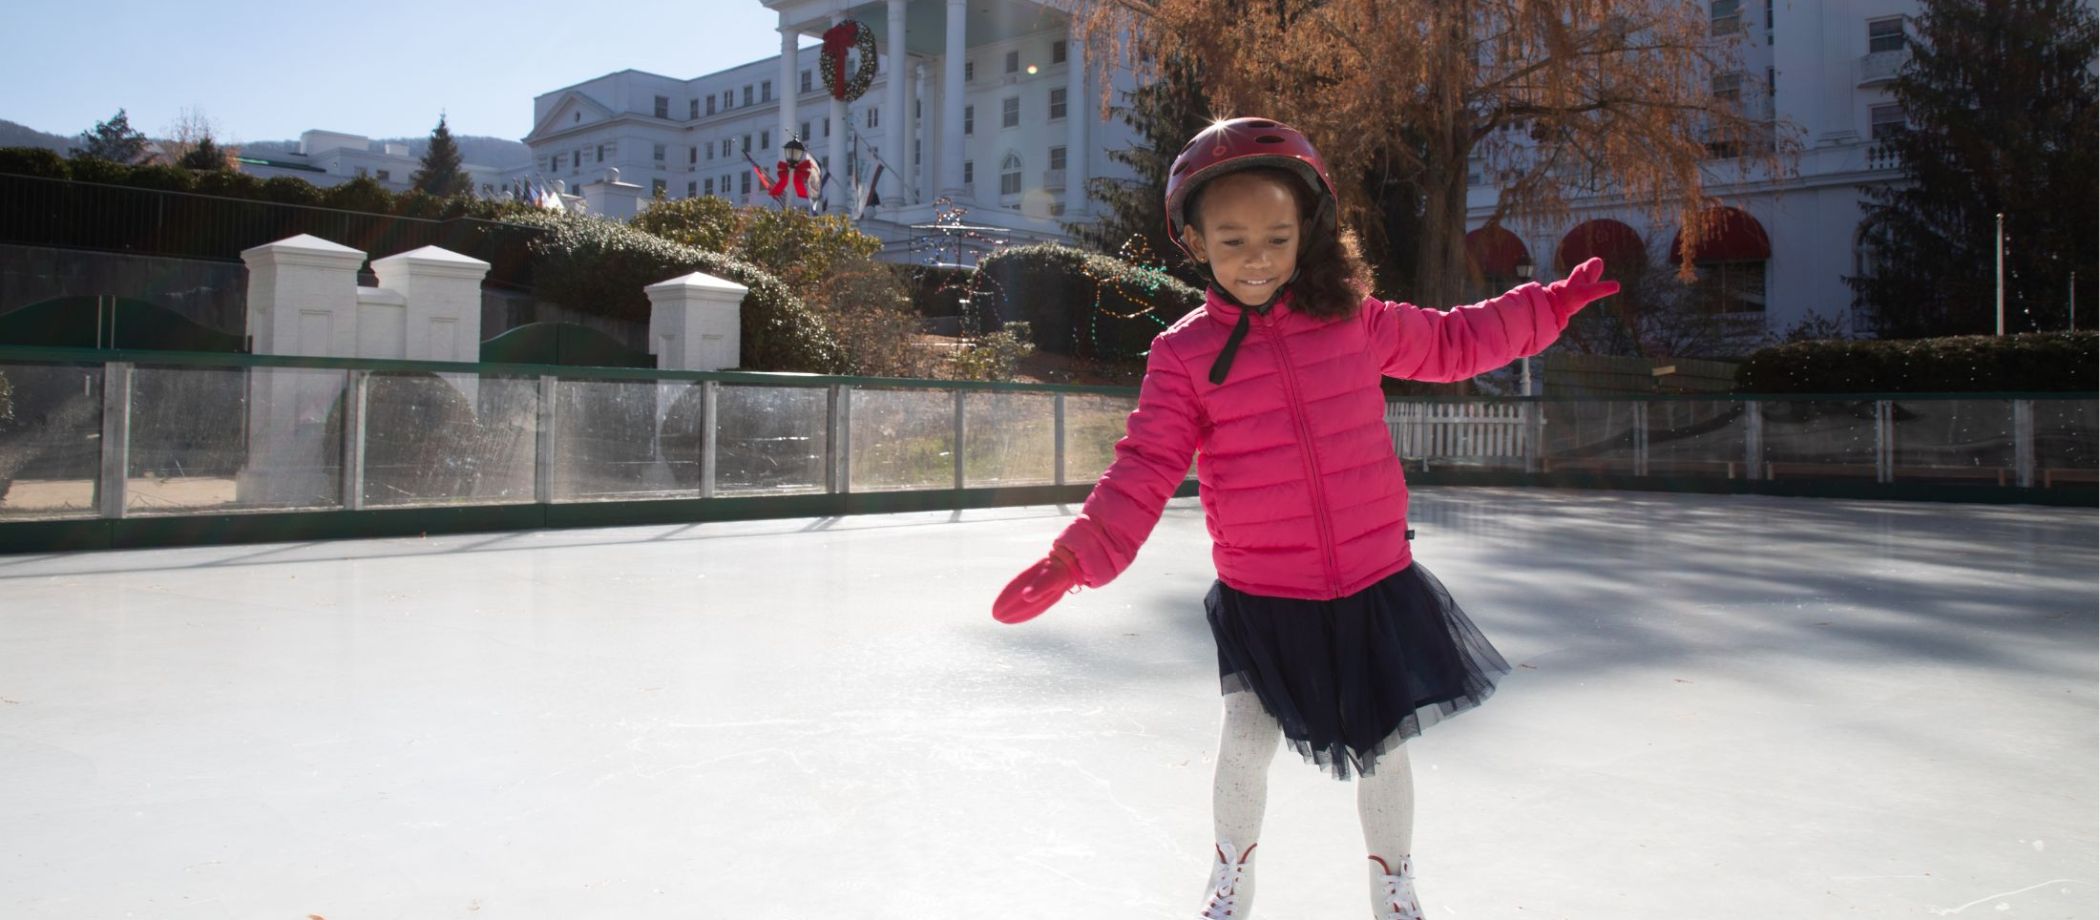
(1457, 430)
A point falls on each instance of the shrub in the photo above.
(226, 183)
(1079, 303)
(32, 161)
(2043, 362)
(869, 315)
(600, 267)
(160, 178)
(706, 222)
(935, 290)
(289, 190)
(994, 355)
(359, 194)
(96, 169)
(799, 248)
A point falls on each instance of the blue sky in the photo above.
(380, 68)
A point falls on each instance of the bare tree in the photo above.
(1550, 101)
(191, 131)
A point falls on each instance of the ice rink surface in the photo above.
(1722, 707)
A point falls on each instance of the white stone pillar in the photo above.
(302, 300)
(611, 198)
(840, 183)
(790, 81)
(443, 290)
(302, 297)
(1078, 110)
(952, 102)
(695, 323)
(897, 121)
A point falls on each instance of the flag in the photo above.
(868, 198)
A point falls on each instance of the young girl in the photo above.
(1329, 632)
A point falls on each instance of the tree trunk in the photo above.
(1440, 250)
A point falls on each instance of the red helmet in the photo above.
(1244, 143)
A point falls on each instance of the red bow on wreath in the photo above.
(801, 172)
(838, 40)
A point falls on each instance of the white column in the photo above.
(838, 188)
(898, 117)
(443, 293)
(1078, 108)
(790, 82)
(952, 102)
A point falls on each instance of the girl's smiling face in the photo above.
(1246, 226)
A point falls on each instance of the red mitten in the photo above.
(1033, 591)
(1580, 287)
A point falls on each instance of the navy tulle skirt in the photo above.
(1354, 677)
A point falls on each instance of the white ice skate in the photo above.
(1396, 898)
(1222, 901)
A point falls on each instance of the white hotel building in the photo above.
(990, 104)
(1012, 132)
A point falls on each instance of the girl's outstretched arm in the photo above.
(1442, 346)
(1151, 462)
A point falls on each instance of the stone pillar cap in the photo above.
(307, 246)
(433, 256)
(697, 282)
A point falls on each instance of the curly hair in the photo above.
(1332, 276)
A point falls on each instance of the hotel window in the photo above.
(710, 103)
(1057, 158)
(765, 140)
(805, 81)
(1057, 103)
(874, 117)
(1885, 121)
(827, 127)
(659, 153)
(656, 188)
(969, 172)
(693, 109)
(692, 189)
(1010, 112)
(710, 145)
(692, 155)
(746, 184)
(765, 91)
(916, 151)
(1057, 52)
(601, 153)
(578, 160)
(710, 186)
(1885, 34)
(747, 143)
(385, 175)
(747, 94)
(1726, 16)
(969, 119)
(1013, 62)
(1010, 175)
(969, 71)
(805, 131)
(663, 106)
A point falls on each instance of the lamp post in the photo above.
(1524, 268)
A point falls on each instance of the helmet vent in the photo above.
(1269, 139)
(1180, 168)
(1261, 124)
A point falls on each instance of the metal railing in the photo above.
(115, 435)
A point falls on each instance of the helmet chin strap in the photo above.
(1223, 365)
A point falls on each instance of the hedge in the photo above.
(2042, 362)
(600, 267)
(1080, 303)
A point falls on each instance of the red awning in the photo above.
(1620, 246)
(1738, 237)
(1495, 252)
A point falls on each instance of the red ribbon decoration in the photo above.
(800, 173)
(838, 40)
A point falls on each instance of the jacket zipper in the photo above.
(1307, 454)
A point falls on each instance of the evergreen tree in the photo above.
(205, 157)
(1999, 96)
(113, 140)
(1165, 114)
(440, 174)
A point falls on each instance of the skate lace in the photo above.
(1398, 901)
(1224, 900)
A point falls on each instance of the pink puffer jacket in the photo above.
(1300, 485)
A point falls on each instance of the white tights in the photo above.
(1385, 800)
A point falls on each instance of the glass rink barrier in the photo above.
(133, 436)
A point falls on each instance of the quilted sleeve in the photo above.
(1440, 346)
(1152, 460)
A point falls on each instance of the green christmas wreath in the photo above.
(852, 35)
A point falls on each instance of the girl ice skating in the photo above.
(1330, 634)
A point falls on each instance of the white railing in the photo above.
(1459, 430)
